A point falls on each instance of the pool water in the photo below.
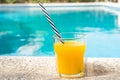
(26, 32)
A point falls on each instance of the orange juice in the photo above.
(70, 57)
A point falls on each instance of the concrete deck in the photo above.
(43, 68)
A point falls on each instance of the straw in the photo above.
(51, 23)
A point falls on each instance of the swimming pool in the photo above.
(26, 31)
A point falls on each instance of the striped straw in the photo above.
(51, 23)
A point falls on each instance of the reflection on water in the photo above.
(31, 48)
(29, 33)
(118, 21)
(21, 44)
(103, 44)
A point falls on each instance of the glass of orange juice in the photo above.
(70, 55)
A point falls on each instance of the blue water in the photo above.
(26, 32)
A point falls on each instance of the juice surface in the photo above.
(70, 57)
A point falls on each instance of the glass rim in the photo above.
(83, 35)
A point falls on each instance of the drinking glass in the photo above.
(70, 55)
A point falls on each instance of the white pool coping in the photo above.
(68, 6)
(64, 4)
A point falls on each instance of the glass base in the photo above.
(72, 76)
